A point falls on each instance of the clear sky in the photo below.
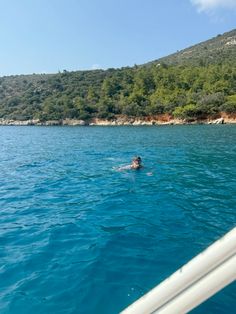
(47, 36)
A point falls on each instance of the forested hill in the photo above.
(197, 82)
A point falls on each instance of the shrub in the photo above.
(229, 107)
(187, 112)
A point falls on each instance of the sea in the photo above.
(80, 235)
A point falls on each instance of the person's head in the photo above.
(136, 162)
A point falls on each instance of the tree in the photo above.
(230, 105)
(190, 111)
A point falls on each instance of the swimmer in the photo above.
(136, 163)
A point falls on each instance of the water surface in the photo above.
(77, 236)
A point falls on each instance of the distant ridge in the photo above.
(212, 51)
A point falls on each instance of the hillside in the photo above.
(213, 51)
(196, 82)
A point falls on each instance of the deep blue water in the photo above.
(77, 236)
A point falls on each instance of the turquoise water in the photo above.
(77, 236)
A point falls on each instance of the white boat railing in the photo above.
(195, 282)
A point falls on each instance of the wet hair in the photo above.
(137, 158)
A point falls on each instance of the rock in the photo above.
(52, 122)
(73, 122)
(218, 121)
(137, 122)
(115, 122)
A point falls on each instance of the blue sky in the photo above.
(47, 36)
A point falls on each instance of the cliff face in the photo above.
(119, 121)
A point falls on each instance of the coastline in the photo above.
(122, 121)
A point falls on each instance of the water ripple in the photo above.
(77, 236)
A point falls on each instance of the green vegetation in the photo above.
(188, 87)
(230, 105)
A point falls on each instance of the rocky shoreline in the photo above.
(119, 121)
